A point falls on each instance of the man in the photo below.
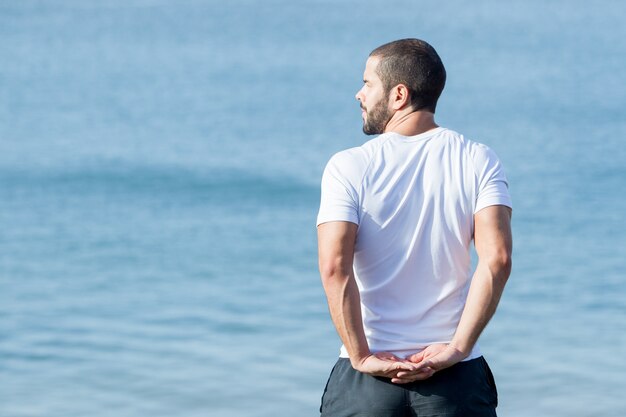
(396, 220)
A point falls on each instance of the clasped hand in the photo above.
(416, 367)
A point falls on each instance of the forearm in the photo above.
(336, 242)
(344, 303)
(494, 246)
(482, 300)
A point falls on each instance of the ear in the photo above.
(399, 97)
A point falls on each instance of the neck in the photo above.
(411, 123)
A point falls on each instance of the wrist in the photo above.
(464, 349)
(358, 360)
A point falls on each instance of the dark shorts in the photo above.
(466, 389)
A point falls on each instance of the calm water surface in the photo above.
(159, 171)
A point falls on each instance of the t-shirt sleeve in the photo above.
(339, 200)
(493, 187)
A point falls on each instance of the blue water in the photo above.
(159, 171)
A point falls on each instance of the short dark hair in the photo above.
(415, 64)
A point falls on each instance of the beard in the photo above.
(376, 120)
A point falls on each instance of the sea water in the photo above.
(159, 182)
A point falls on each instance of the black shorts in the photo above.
(466, 389)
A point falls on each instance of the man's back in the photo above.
(414, 199)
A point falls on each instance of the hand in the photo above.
(432, 359)
(384, 364)
(429, 352)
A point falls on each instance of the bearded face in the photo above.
(376, 118)
(374, 99)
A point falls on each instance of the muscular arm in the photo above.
(336, 251)
(336, 242)
(493, 241)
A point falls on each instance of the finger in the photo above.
(412, 378)
(418, 357)
(426, 364)
(404, 365)
(409, 374)
(389, 357)
(401, 381)
(421, 374)
(440, 361)
(390, 369)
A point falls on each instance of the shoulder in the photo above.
(479, 153)
(353, 162)
(482, 161)
(453, 138)
(363, 153)
(483, 157)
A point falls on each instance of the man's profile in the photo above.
(396, 221)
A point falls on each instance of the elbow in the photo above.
(332, 272)
(327, 270)
(501, 265)
(498, 262)
(506, 267)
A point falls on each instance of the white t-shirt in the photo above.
(414, 200)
